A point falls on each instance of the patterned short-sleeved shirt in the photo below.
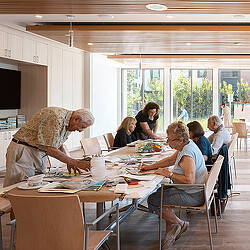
(47, 128)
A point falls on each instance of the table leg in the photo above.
(99, 212)
(1, 236)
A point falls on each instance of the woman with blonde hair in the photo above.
(124, 133)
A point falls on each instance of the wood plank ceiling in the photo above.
(181, 39)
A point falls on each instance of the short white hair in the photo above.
(216, 119)
(86, 115)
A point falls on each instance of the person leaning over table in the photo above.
(44, 134)
(220, 134)
(125, 131)
(189, 168)
(196, 133)
(147, 121)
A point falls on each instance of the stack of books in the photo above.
(20, 120)
(4, 124)
(12, 122)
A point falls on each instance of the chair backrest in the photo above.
(109, 139)
(48, 222)
(213, 175)
(240, 128)
(91, 146)
(231, 145)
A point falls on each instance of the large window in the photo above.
(192, 95)
(234, 87)
(142, 86)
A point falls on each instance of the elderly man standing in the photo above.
(220, 136)
(44, 134)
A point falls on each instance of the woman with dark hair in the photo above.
(196, 133)
(147, 121)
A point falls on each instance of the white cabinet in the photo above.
(67, 79)
(5, 139)
(42, 53)
(35, 52)
(2, 43)
(55, 78)
(12, 45)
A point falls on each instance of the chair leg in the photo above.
(209, 228)
(160, 222)
(215, 215)
(1, 233)
(235, 174)
(220, 209)
(230, 172)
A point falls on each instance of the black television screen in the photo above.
(10, 89)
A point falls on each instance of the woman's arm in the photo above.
(156, 127)
(145, 128)
(166, 162)
(188, 166)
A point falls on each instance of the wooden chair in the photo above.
(208, 188)
(109, 139)
(241, 129)
(5, 208)
(55, 222)
(91, 146)
(231, 158)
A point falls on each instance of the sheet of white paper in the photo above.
(139, 177)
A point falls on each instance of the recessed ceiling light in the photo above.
(188, 44)
(38, 16)
(105, 16)
(239, 17)
(70, 16)
(237, 44)
(90, 44)
(169, 16)
(156, 7)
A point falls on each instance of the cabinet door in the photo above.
(29, 50)
(15, 46)
(67, 80)
(42, 53)
(55, 82)
(3, 44)
(2, 151)
(77, 81)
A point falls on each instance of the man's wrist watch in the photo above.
(170, 176)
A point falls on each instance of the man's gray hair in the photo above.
(85, 115)
(216, 119)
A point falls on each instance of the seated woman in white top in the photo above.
(189, 168)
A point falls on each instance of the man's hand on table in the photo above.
(80, 165)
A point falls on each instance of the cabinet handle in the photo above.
(6, 136)
(37, 60)
(9, 52)
(6, 52)
(9, 135)
(34, 58)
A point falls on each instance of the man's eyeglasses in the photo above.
(168, 140)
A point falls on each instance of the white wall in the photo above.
(8, 112)
(104, 95)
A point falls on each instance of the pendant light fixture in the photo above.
(71, 36)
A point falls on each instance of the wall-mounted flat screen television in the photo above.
(10, 89)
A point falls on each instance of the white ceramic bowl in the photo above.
(35, 180)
